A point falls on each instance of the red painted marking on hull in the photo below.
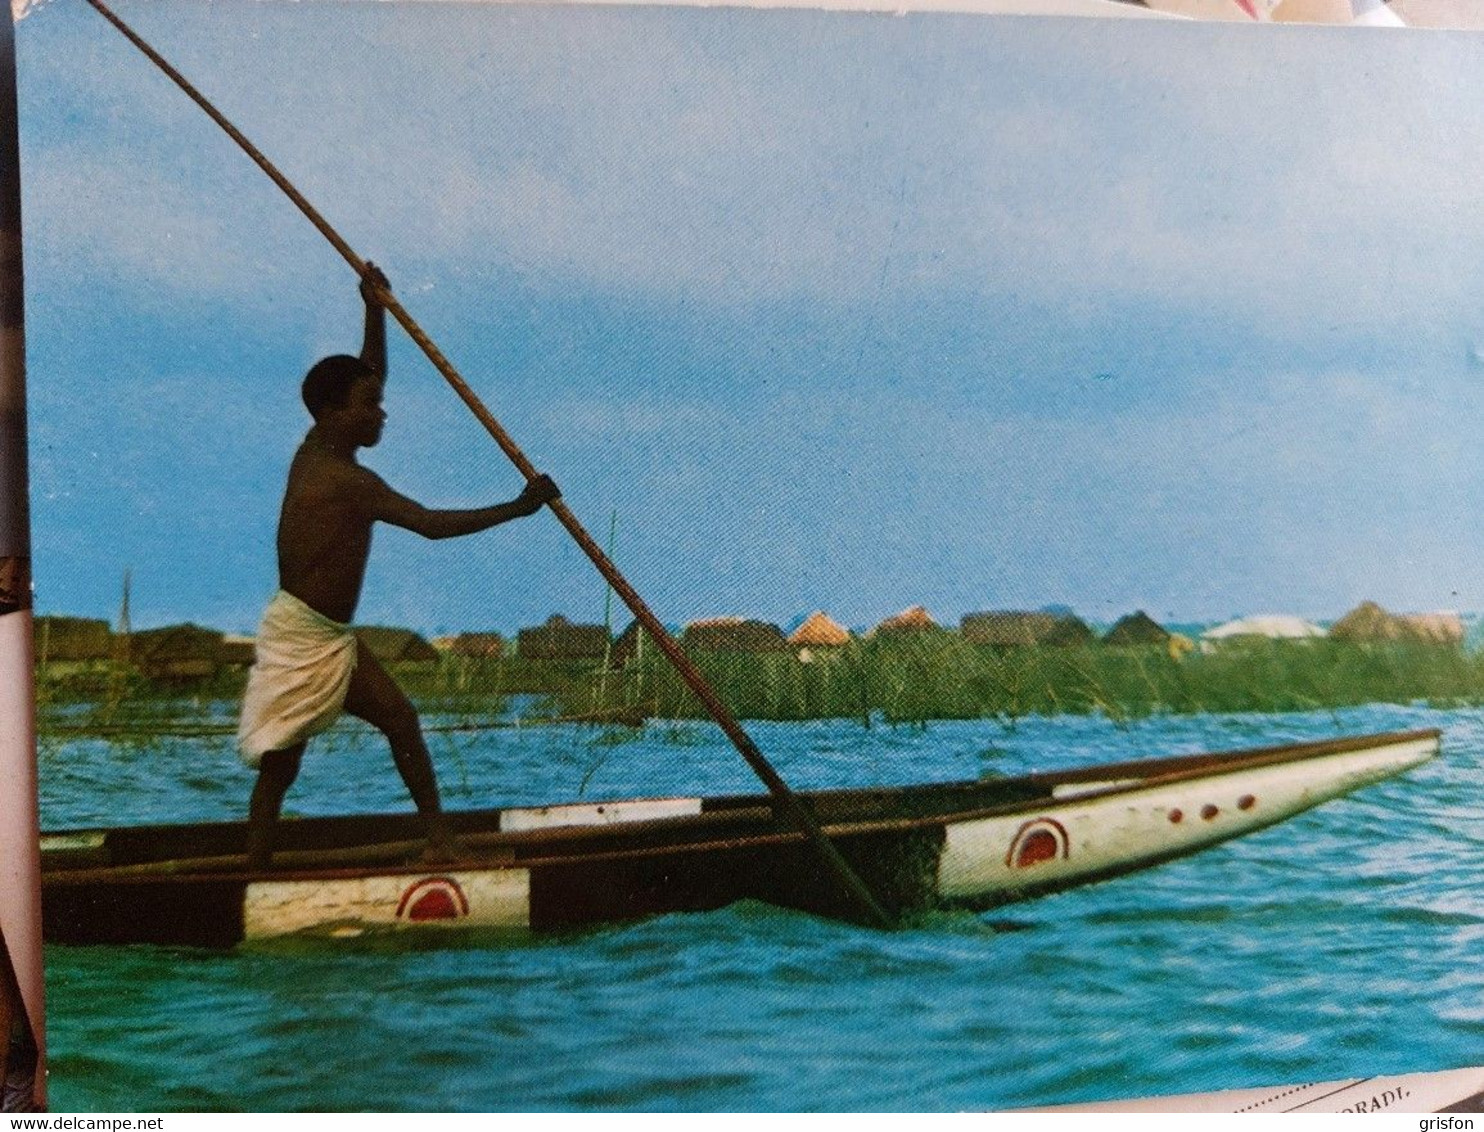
(1044, 839)
(434, 905)
(1039, 846)
(433, 898)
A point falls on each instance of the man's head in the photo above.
(344, 393)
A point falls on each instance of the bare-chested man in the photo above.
(309, 666)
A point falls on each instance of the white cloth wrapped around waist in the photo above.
(299, 678)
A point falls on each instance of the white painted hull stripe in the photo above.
(486, 898)
(597, 813)
(998, 856)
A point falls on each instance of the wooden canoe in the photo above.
(957, 844)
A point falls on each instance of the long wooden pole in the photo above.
(860, 895)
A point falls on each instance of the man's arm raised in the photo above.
(373, 346)
(379, 502)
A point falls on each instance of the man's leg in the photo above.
(374, 696)
(276, 773)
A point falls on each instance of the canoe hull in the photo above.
(554, 868)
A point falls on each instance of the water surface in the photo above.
(1345, 942)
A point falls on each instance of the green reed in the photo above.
(905, 679)
(913, 679)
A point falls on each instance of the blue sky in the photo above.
(834, 310)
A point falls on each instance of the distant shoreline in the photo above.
(909, 678)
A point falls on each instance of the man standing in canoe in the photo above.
(309, 666)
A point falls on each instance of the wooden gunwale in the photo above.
(1192, 765)
(230, 865)
(1175, 770)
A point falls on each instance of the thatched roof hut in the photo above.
(1368, 622)
(560, 639)
(733, 634)
(481, 646)
(914, 619)
(1138, 628)
(1438, 628)
(238, 650)
(72, 639)
(176, 652)
(1012, 629)
(819, 631)
(396, 646)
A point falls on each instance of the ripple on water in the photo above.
(659, 1093)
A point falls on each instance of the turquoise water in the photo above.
(1346, 942)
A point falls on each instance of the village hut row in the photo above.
(818, 633)
(1367, 623)
(174, 652)
(188, 651)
